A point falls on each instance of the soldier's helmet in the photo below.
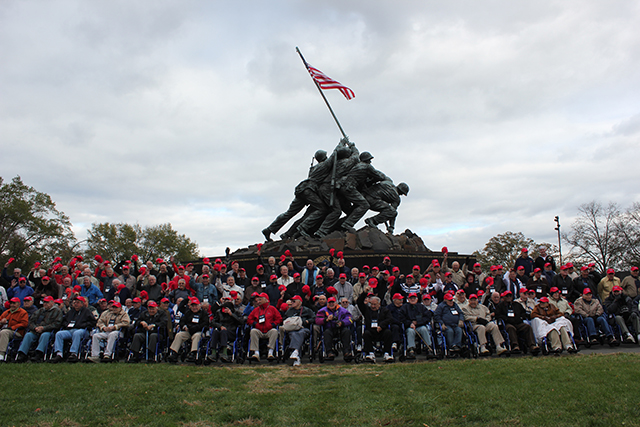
(343, 152)
(365, 156)
(321, 155)
(403, 188)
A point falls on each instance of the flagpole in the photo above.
(321, 93)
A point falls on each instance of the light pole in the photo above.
(557, 220)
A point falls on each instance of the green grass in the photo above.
(594, 390)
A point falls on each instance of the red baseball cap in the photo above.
(586, 291)
(331, 299)
(544, 299)
(48, 298)
(259, 266)
(28, 298)
(386, 258)
(416, 267)
(15, 299)
(296, 297)
(447, 274)
(477, 264)
(617, 288)
(254, 278)
(413, 294)
(264, 295)
(473, 296)
(554, 290)
(426, 296)
(505, 293)
(493, 268)
(165, 300)
(585, 268)
(537, 270)
(521, 267)
(81, 299)
(233, 294)
(152, 304)
(136, 299)
(448, 296)
(284, 306)
(634, 268)
(611, 271)
(117, 304)
(375, 268)
(296, 274)
(342, 276)
(394, 269)
(397, 296)
(524, 250)
(194, 301)
(362, 275)
(460, 291)
(273, 277)
(282, 288)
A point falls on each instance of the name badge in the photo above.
(112, 322)
(510, 313)
(195, 319)
(72, 324)
(564, 292)
(264, 285)
(492, 289)
(454, 312)
(261, 319)
(205, 299)
(374, 323)
(539, 289)
(107, 289)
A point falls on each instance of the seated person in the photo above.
(74, 327)
(397, 328)
(225, 323)
(547, 321)
(263, 321)
(109, 324)
(192, 322)
(336, 322)
(480, 318)
(592, 312)
(14, 322)
(376, 325)
(513, 315)
(451, 318)
(42, 324)
(625, 312)
(149, 325)
(416, 319)
(297, 336)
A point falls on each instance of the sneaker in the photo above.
(411, 354)
(501, 350)
(535, 350)
(294, 357)
(255, 357)
(593, 340)
(56, 359)
(572, 350)
(106, 358)
(359, 348)
(73, 358)
(93, 359)
(516, 350)
(2, 357)
(388, 358)
(629, 339)
(297, 362)
(270, 356)
(483, 350)
(371, 357)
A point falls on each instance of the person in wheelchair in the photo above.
(397, 327)
(592, 313)
(480, 318)
(192, 322)
(74, 327)
(297, 329)
(263, 321)
(416, 318)
(109, 324)
(450, 316)
(225, 322)
(14, 322)
(41, 325)
(625, 312)
(376, 325)
(513, 315)
(336, 321)
(547, 321)
(150, 323)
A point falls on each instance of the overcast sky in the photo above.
(498, 114)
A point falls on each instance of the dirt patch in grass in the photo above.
(269, 382)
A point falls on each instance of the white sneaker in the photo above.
(359, 348)
(501, 350)
(295, 355)
(394, 346)
(388, 357)
(483, 349)
(1, 357)
(371, 357)
(297, 362)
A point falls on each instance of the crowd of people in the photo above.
(282, 309)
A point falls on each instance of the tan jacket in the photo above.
(605, 286)
(629, 287)
(588, 309)
(120, 319)
(562, 305)
(472, 314)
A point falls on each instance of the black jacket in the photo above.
(82, 319)
(382, 315)
(512, 313)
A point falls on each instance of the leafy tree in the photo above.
(503, 249)
(120, 241)
(595, 235)
(31, 228)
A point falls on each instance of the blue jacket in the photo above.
(449, 316)
(20, 292)
(92, 294)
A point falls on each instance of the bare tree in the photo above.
(629, 232)
(595, 235)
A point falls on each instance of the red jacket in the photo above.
(17, 320)
(272, 318)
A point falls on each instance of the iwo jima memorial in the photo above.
(339, 191)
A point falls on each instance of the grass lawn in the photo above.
(594, 390)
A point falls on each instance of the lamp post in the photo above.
(557, 220)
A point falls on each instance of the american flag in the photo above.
(326, 82)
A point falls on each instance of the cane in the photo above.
(423, 341)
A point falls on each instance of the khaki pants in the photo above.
(256, 334)
(5, 336)
(561, 340)
(183, 336)
(481, 331)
